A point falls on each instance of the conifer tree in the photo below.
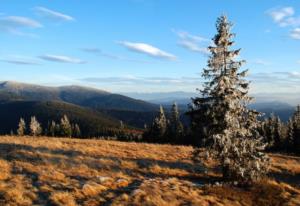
(52, 131)
(290, 135)
(122, 126)
(76, 131)
(231, 128)
(157, 131)
(159, 126)
(270, 131)
(277, 133)
(65, 127)
(296, 129)
(273, 132)
(175, 126)
(21, 127)
(35, 127)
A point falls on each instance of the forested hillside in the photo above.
(92, 123)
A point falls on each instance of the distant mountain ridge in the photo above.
(279, 104)
(137, 110)
(83, 96)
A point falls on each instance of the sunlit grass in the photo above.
(59, 171)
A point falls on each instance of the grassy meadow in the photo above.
(69, 172)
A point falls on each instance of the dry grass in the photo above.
(53, 171)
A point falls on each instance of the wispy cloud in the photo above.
(92, 50)
(295, 33)
(134, 80)
(54, 15)
(273, 76)
(283, 16)
(272, 82)
(14, 24)
(148, 49)
(192, 42)
(261, 62)
(99, 52)
(62, 59)
(19, 60)
(275, 81)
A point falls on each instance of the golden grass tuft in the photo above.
(4, 169)
(62, 199)
(91, 189)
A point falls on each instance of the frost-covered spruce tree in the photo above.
(21, 127)
(35, 127)
(270, 131)
(175, 127)
(65, 127)
(157, 131)
(230, 127)
(290, 135)
(76, 131)
(52, 129)
(159, 126)
(278, 133)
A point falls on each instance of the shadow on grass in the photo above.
(14, 152)
(42, 155)
(292, 179)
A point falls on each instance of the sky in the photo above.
(145, 45)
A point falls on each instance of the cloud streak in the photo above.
(285, 17)
(148, 50)
(99, 52)
(261, 62)
(54, 15)
(275, 82)
(61, 59)
(295, 33)
(272, 82)
(19, 61)
(192, 42)
(133, 80)
(282, 16)
(14, 24)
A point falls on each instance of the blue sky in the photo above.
(145, 45)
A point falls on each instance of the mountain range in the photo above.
(281, 104)
(97, 110)
(82, 96)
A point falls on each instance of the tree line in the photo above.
(165, 130)
(280, 136)
(62, 129)
(65, 128)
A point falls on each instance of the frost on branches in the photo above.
(227, 127)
